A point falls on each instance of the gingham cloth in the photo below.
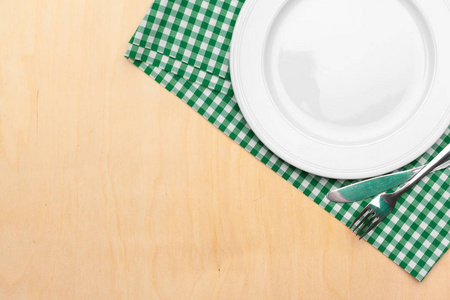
(184, 46)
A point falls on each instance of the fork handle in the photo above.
(443, 156)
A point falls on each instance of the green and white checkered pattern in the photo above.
(184, 46)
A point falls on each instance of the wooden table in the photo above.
(111, 187)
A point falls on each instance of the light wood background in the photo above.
(112, 188)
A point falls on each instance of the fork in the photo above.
(382, 205)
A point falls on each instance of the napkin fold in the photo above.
(184, 46)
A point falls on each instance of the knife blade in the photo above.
(374, 186)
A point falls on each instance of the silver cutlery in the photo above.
(374, 186)
(382, 205)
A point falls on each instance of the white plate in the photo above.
(346, 88)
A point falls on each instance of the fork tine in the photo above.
(369, 222)
(375, 224)
(361, 222)
(360, 216)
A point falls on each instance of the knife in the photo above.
(372, 187)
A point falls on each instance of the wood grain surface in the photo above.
(112, 188)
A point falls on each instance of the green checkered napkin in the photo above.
(184, 46)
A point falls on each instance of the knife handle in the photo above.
(442, 157)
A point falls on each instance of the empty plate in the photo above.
(347, 88)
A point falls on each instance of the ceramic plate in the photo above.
(344, 89)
